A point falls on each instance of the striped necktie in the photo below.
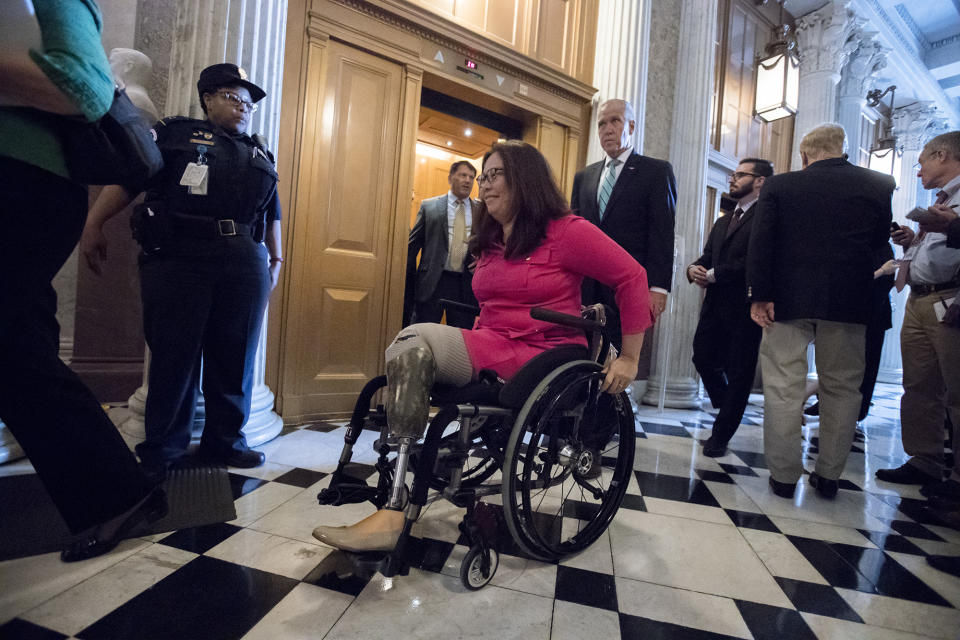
(607, 188)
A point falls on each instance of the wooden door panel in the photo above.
(348, 180)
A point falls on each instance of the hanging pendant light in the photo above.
(885, 154)
(777, 79)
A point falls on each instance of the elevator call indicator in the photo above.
(470, 68)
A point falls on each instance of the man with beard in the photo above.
(727, 341)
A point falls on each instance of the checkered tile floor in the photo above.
(701, 549)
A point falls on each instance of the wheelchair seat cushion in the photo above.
(522, 384)
(478, 392)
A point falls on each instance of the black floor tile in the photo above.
(339, 573)
(752, 520)
(892, 542)
(738, 470)
(200, 539)
(773, 623)
(665, 429)
(636, 627)
(206, 598)
(752, 458)
(18, 629)
(654, 485)
(586, 587)
(242, 485)
(428, 554)
(323, 427)
(820, 599)
(302, 478)
(849, 486)
(714, 476)
(831, 566)
(889, 577)
(635, 502)
(914, 530)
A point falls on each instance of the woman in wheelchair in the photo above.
(531, 252)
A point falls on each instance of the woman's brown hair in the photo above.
(535, 199)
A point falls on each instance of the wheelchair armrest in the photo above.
(549, 315)
(452, 305)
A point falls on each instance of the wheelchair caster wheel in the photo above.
(477, 568)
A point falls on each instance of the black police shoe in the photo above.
(240, 458)
(713, 449)
(905, 474)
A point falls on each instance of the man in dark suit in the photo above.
(810, 274)
(633, 198)
(726, 342)
(440, 235)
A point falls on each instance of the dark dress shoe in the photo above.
(151, 509)
(783, 489)
(905, 474)
(947, 489)
(947, 564)
(826, 488)
(713, 449)
(944, 503)
(246, 459)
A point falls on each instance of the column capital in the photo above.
(825, 38)
(915, 123)
(864, 63)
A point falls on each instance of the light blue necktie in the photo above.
(607, 188)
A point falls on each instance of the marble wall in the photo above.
(154, 33)
(661, 77)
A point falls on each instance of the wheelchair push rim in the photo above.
(558, 496)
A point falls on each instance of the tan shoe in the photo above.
(377, 532)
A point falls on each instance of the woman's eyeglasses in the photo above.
(488, 177)
(237, 102)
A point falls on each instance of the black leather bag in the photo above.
(117, 149)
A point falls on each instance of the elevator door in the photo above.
(345, 228)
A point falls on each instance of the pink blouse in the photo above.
(505, 336)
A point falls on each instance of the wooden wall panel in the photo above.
(556, 34)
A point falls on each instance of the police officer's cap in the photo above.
(227, 75)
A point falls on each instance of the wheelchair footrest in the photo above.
(347, 492)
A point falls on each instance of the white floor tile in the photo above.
(572, 621)
(681, 607)
(780, 557)
(833, 629)
(904, 615)
(79, 607)
(687, 510)
(689, 554)
(306, 613)
(423, 605)
(271, 553)
(943, 583)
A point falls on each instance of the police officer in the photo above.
(205, 273)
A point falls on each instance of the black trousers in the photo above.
(201, 298)
(873, 340)
(77, 452)
(725, 349)
(451, 286)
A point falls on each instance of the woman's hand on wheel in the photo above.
(619, 374)
(93, 248)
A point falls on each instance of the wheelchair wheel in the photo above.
(477, 568)
(567, 463)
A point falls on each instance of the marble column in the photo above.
(620, 64)
(250, 33)
(856, 78)
(913, 125)
(825, 39)
(673, 379)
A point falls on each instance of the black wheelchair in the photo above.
(557, 450)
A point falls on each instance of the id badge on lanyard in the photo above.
(196, 175)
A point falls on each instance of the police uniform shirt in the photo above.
(241, 179)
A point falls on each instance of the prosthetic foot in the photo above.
(409, 380)
(378, 532)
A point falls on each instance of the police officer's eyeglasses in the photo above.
(237, 102)
(488, 177)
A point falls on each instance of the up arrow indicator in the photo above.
(439, 57)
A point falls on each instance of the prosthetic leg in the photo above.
(409, 379)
